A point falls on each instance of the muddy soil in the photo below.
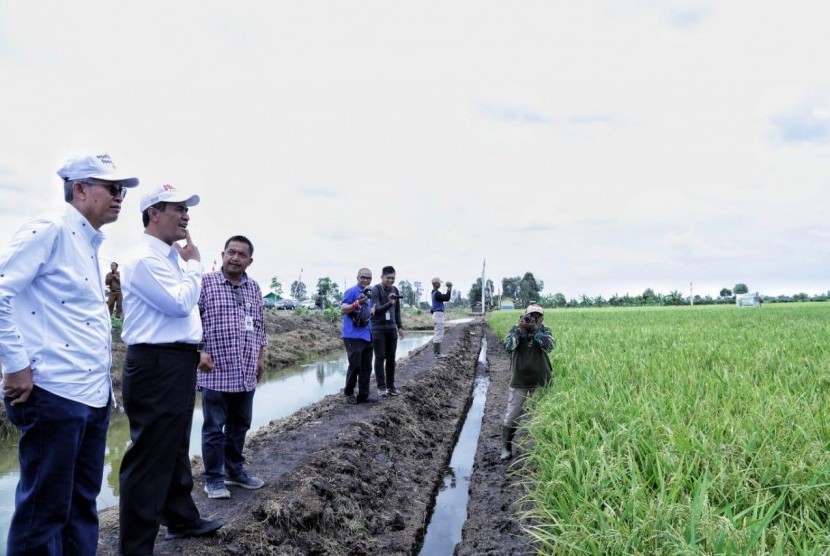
(360, 479)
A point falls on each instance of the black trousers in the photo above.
(359, 353)
(385, 343)
(159, 390)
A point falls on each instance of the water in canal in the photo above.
(280, 394)
(449, 513)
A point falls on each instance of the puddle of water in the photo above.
(443, 531)
(280, 394)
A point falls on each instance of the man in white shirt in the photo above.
(163, 333)
(55, 352)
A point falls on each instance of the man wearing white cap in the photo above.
(163, 333)
(55, 352)
(437, 310)
(529, 342)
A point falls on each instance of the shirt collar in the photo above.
(82, 226)
(225, 278)
(167, 251)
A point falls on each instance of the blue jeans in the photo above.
(227, 420)
(61, 453)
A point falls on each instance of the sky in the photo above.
(605, 146)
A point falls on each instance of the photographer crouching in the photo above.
(528, 344)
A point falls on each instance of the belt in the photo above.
(178, 346)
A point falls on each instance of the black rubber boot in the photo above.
(507, 434)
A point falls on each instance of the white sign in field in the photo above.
(748, 300)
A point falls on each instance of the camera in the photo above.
(529, 319)
(367, 293)
(393, 295)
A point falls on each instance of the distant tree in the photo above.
(674, 298)
(585, 301)
(475, 293)
(740, 288)
(298, 290)
(276, 287)
(600, 301)
(510, 287)
(726, 292)
(529, 289)
(406, 292)
(649, 298)
(329, 291)
(456, 300)
(417, 292)
(559, 300)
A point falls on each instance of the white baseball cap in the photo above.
(168, 194)
(98, 166)
(534, 309)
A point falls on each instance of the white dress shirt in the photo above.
(160, 300)
(53, 311)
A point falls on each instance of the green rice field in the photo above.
(688, 430)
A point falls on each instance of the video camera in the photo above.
(367, 293)
(529, 319)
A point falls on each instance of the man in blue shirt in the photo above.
(55, 352)
(357, 337)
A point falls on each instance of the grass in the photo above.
(682, 431)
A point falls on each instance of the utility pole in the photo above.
(691, 294)
(483, 285)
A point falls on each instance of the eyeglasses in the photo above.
(364, 277)
(237, 293)
(115, 189)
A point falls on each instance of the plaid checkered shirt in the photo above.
(234, 351)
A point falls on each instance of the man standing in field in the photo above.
(437, 311)
(113, 282)
(55, 351)
(230, 366)
(529, 342)
(357, 337)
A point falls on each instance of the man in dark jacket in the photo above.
(386, 329)
(529, 342)
(437, 310)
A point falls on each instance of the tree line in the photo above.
(526, 289)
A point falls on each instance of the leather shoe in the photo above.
(198, 528)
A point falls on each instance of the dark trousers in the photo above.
(385, 344)
(61, 454)
(159, 387)
(359, 353)
(227, 420)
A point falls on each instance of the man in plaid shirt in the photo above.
(230, 367)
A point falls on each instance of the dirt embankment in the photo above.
(361, 479)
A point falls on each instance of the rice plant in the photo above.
(689, 430)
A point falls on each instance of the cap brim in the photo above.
(126, 181)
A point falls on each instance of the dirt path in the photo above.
(360, 479)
